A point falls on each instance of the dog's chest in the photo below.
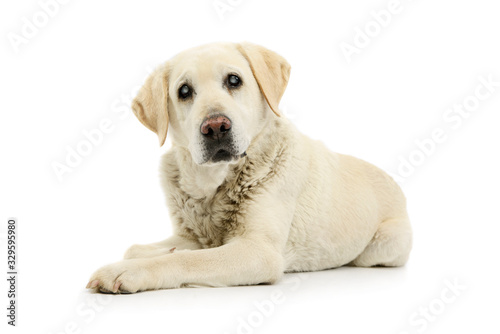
(210, 221)
(215, 219)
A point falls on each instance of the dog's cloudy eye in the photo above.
(233, 80)
(185, 92)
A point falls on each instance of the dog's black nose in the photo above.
(215, 127)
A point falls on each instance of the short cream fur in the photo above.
(288, 205)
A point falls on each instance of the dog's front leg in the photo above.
(242, 261)
(166, 246)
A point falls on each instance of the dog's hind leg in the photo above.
(390, 246)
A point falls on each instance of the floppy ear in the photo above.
(150, 104)
(270, 70)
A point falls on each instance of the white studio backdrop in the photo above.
(410, 86)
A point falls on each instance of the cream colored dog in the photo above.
(251, 197)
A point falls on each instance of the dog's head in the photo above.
(216, 98)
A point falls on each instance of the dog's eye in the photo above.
(185, 91)
(233, 81)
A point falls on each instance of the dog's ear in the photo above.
(150, 104)
(270, 70)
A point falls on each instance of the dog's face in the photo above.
(216, 98)
(216, 105)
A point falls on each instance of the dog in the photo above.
(251, 197)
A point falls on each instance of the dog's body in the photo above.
(251, 197)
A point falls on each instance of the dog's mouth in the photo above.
(223, 155)
(221, 151)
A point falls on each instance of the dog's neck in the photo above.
(201, 181)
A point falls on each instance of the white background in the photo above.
(90, 57)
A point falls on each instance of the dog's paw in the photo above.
(128, 276)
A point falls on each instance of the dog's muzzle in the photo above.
(218, 139)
